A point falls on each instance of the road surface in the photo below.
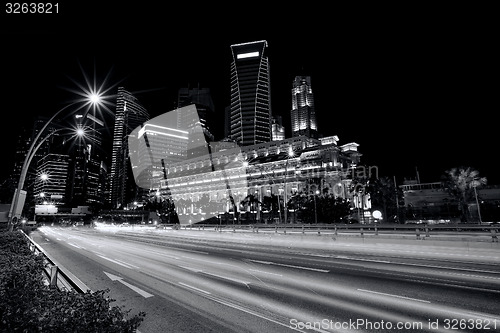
(197, 284)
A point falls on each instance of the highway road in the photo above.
(198, 284)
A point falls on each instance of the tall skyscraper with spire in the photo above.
(250, 109)
(129, 114)
(303, 116)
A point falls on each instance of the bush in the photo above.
(28, 305)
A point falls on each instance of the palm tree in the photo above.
(461, 183)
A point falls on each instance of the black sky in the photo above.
(415, 90)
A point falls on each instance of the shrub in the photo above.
(28, 305)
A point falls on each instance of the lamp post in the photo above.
(477, 202)
(290, 154)
(315, 209)
(27, 160)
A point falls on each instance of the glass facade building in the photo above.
(129, 115)
(250, 107)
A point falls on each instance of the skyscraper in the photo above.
(129, 115)
(250, 114)
(53, 188)
(88, 170)
(303, 115)
(198, 120)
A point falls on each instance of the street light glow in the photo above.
(95, 98)
(80, 132)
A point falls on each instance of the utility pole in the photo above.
(477, 204)
(397, 199)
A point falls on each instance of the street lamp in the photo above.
(315, 210)
(290, 153)
(94, 98)
(474, 184)
(27, 160)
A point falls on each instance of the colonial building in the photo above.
(216, 183)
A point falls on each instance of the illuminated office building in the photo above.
(129, 115)
(197, 120)
(52, 179)
(88, 170)
(250, 113)
(303, 115)
(158, 144)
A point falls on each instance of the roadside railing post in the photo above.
(417, 232)
(361, 231)
(53, 276)
(494, 237)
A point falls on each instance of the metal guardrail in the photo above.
(419, 231)
(56, 275)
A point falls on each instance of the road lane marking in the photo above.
(259, 271)
(291, 266)
(192, 251)
(194, 288)
(241, 308)
(163, 254)
(450, 268)
(474, 276)
(229, 278)
(426, 266)
(126, 263)
(317, 255)
(196, 270)
(138, 290)
(361, 259)
(74, 245)
(116, 262)
(391, 295)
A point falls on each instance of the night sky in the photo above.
(415, 91)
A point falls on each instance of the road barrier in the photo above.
(55, 275)
(473, 232)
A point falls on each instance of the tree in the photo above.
(461, 183)
(384, 194)
(332, 209)
(326, 207)
(253, 202)
(271, 203)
